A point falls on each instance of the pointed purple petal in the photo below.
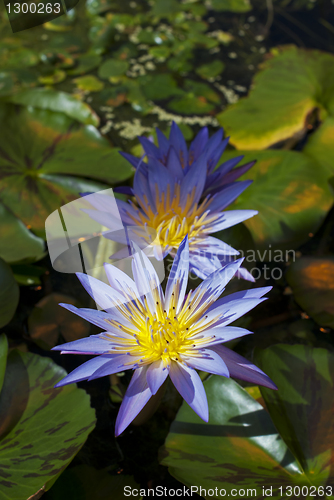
(119, 363)
(209, 362)
(93, 344)
(194, 180)
(228, 195)
(103, 294)
(136, 397)
(230, 218)
(163, 146)
(149, 147)
(156, 375)
(243, 369)
(177, 140)
(215, 156)
(178, 273)
(130, 158)
(84, 371)
(118, 279)
(198, 145)
(222, 334)
(189, 385)
(174, 165)
(244, 274)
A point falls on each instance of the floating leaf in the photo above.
(17, 242)
(302, 408)
(86, 483)
(320, 145)
(231, 5)
(312, 283)
(159, 86)
(9, 294)
(85, 63)
(290, 100)
(6, 83)
(48, 321)
(58, 76)
(164, 8)
(112, 67)
(211, 70)
(57, 101)
(37, 146)
(190, 105)
(89, 83)
(203, 90)
(291, 193)
(42, 427)
(240, 444)
(27, 274)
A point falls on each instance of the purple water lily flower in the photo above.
(158, 334)
(177, 193)
(175, 156)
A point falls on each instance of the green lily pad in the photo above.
(291, 193)
(57, 101)
(190, 105)
(89, 83)
(9, 293)
(312, 283)
(6, 83)
(211, 70)
(86, 483)
(48, 321)
(27, 274)
(201, 89)
(58, 76)
(40, 145)
(41, 428)
(320, 145)
(164, 8)
(240, 446)
(112, 67)
(231, 5)
(85, 63)
(302, 408)
(159, 86)
(278, 105)
(17, 242)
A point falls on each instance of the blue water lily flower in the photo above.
(175, 156)
(158, 334)
(177, 193)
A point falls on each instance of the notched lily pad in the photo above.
(38, 146)
(57, 101)
(291, 193)
(41, 428)
(241, 446)
(290, 100)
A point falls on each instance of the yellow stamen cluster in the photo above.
(173, 220)
(160, 334)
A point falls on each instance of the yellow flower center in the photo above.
(164, 335)
(171, 222)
